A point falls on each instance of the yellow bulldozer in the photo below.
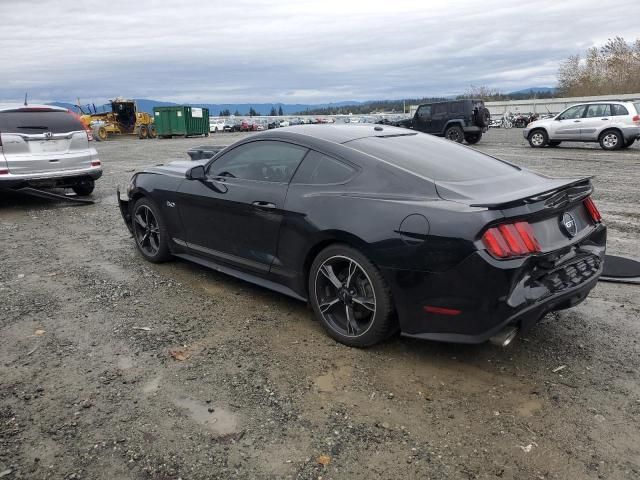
(123, 119)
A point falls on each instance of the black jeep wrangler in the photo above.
(457, 120)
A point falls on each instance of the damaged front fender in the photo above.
(125, 210)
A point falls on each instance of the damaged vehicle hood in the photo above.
(177, 168)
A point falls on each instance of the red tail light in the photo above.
(593, 210)
(95, 163)
(511, 240)
(636, 119)
(4, 171)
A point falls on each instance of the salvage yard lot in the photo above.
(112, 367)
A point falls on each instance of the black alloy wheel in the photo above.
(455, 134)
(350, 297)
(149, 232)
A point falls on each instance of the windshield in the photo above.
(433, 158)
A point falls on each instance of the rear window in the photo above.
(619, 110)
(29, 122)
(637, 105)
(433, 158)
(318, 169)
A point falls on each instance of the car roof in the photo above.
(340, 133)
(21, 106)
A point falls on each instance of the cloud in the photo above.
(292, 50)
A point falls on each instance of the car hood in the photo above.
(175, 168)
(539, 123)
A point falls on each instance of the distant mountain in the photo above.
(146, 105)
(534, 90)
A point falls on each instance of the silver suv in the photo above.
(45, 146)
(614, 125)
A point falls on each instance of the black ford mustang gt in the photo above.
(380, 229)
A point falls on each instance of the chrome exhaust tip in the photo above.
(504, 337)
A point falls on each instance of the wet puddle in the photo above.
(219, 421)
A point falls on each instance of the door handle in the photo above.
(604, 119)
(265, 205)
(576, 121)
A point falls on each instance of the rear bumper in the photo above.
(630, 132)
(481, 295)
(50, 179)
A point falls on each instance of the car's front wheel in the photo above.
(150, 232)
(538, 138)
(454, 133)
(350, 297)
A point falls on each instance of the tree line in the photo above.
(613, 68)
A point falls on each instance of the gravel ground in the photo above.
(115, 368)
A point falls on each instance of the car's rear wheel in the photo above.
(149, 231)
(538, 138)
(84, 188)
(611, 140)
(454, 133)
(350, 298)
(473, 138)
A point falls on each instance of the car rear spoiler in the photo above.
(561, 192)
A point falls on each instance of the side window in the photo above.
(266, 161)
(457, 107)
(440, 108)
(319, 169)
(601, 110)
(619, 110)
(573, 112)
(424, 111)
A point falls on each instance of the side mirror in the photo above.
(196, 173)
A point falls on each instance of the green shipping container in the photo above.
(181, 120)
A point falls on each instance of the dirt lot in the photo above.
(89, 389)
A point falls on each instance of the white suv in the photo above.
(614, 125)
(46, 146)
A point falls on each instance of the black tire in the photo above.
(611, 140)
(454, 133)
(143, 132)
(483, 117)
(473, 138)
(349, 321)
(554, 143)
(84, 188)
(153, 132)
(151, 242)
(628, 143)
(538, 138)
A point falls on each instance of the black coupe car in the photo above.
(381, 229)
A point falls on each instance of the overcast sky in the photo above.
(293, 51)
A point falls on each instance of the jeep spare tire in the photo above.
(483, 117)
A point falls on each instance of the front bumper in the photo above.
(124, 206)
(490, 294)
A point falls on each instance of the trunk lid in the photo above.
(41, 140)
(553, 207)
